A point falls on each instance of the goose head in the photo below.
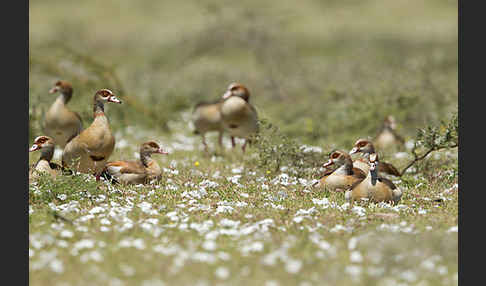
(151, 147)
(63, 87)
(42, 142)
(106, 95)
(237, 89)
(363, 146)
(338, 158)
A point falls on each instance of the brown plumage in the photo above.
(344, 176)
(44, 164)
(366, 147)
(60, 123)
(206, 117)
(388, 136)
(374, 187)
(137, 172)
(239, 117)
(89, 151)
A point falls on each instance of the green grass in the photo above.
(323, 73)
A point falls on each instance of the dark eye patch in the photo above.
(335, 155)
(42, 140)
(153, 145)
(362, 144)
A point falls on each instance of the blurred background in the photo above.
(322, 71)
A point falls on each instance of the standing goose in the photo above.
(238, 115)
(388, 136)
(374, 187)
(60, 123)
(206, 117)
(342, 177)
(366, 147)
(138, 172)
(44, 164)
(89, 151)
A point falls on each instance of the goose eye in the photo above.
(362, 144)
(334, 155)
(153, 145)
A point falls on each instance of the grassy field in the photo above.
(323, 73)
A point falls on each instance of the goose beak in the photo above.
(329, 163)
(372, 166)
(227, 94)
(34, 147)
(353, 151)
(53, 90)
(114, 99)
(163, 152)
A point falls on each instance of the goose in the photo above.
(374, 187)
(206, 117)
(137, 172)
(344, 176)
(239, 117)
(60, 123)
(44, 165)
(388, 136)
(89, 151)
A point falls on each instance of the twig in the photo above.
(417, 158)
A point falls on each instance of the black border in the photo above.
(15, 158)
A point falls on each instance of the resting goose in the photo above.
(60, 123)
(239, 117)
(342, 177)
(374, 187)
(44, 164)
(137, 172)
(89, 151)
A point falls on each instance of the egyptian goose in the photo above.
(387, 136)
(239, 117)
(138, 172)
(44, 165)
(60, 123)
(206, 117)
(89, 151)
(374, 187)
(344, 176)
(366, 147)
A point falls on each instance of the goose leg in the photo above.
(220, 139)
(204, 143)
(243, 147)
(233, 144)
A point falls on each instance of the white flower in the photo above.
(324, 203)
(96, 210)
(353, 270)
(293, 266)
(66, 233)
(298, 219)
(62, 197)
(353, 241)
(84, 243)
(229, 223)
(105, 221)
(209, 245)
(356, 257)
(56, 265)
(453, 229)
(222, 272)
